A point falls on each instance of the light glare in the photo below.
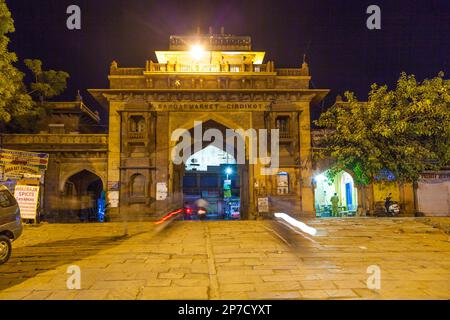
(197, 52)
(295, 223)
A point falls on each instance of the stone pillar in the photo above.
(162, 159)
(114, 151)
(257, 123)
(407, 198)
(307, 189)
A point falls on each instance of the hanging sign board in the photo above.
(435, 177)
(19, 171)
(27, 198)
(17, 164)
(21, 158)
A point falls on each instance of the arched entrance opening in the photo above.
(83, 195)
(212, 177)
(343, 187)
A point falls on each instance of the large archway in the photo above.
(81, 195)
(212, 175)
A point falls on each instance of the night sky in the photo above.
(342, 53)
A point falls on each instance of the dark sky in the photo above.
(343, 54)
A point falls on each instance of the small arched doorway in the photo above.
(343, 186)
(82, 192)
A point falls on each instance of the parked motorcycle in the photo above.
(393, 210)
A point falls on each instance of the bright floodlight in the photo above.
(197, 52)
(229, 171)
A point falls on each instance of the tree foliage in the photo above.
(18, 111)
(47, 84)
(14, 101)
(405, 130)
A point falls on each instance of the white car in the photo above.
(10, 223)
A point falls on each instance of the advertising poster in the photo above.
(263, 205)
(113, 199)
(161, 191)
(27, 198)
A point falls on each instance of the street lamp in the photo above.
(228, 171)
(197, 52)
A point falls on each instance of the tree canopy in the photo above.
(18, 110)
(14, 100)
(404, 131)
(47, 84)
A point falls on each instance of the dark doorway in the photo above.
(82, 192)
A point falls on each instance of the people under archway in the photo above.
(337, 197)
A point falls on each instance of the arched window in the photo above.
(282, 123)
(283, 183)
(141, 125)
(137, 185)
(69, 189)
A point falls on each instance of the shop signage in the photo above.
(435, 177)
(21, 158)
(227, 189)
(13, 171)
(27, 198)
(210, 106)
(17, 164)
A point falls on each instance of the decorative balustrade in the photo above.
(127, 71)
(289, 72)
(204, 68)
(54, 139)
(136, 136)
(285, 135)
(217, 68)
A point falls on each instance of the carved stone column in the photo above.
(307, 189)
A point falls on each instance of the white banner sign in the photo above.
(161, 191)
(113, 199)
(27, 198)
(263, 205)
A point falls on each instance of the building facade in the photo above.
(202, 82)
(77, 168)
(219, 81)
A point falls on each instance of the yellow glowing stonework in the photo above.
(217, 79)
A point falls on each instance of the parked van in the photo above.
(10, 223)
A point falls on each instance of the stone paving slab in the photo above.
(231, 260)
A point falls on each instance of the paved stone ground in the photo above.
(231, 260)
